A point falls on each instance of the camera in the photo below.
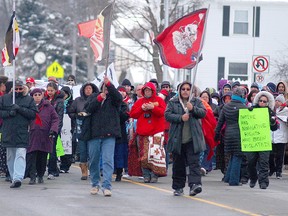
(147, 115)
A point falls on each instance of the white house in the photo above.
(244, 39)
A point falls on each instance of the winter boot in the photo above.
(84, 170)
(118, 174)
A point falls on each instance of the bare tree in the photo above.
(147, 18)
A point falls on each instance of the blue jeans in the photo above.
(232, 175)
(16, 162)
(101, 147)
(83, 150)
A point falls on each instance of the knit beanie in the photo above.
(35, 90)
(280, 98)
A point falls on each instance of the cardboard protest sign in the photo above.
(255, 130)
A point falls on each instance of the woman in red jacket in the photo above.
(149, 112)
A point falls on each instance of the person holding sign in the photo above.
(262, 100)
(232, 144)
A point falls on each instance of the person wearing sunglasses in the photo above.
(41, 133)
(263, 99)
(16, 116)
(186, 139)
(71, 80)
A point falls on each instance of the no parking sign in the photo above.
(260, 64)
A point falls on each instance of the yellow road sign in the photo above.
(56, 70)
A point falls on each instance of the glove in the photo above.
(15, 107)
(12, 113)
(52, 134)
(272, 120)
(250, 108)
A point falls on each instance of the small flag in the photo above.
(98, 31)
(111, 74)
(179, 44)
(12, 44)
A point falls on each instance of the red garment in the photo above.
(208, 126)
(152, 121)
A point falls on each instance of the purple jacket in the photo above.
(39, 135)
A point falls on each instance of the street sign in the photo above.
(260, 64)
(55, 70)
(259, 78)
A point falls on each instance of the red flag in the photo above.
(12, 42)
(179, 44)
(98, 31)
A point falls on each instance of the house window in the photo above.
(241, 22)
(238, 71)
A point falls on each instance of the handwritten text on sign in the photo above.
(255, 130)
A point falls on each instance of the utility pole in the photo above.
(166, 23)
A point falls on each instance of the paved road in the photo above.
(68, 195)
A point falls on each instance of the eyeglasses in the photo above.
(37, 94)
(16, 89)
(185, 89)
(263, 101)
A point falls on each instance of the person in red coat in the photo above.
(149, 112)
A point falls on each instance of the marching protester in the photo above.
(42, 133)
(55, 97)
(232, 142)
(149, 112)
(186, 139)
(105, 128)
(263, 99)
(66, 160)
(3, 166)
(77, 112)
(279, 138)
(121, 146)
(16, 120)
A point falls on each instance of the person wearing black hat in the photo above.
(129, 87)
(16, 120)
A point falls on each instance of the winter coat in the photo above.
(105, 120)
(39, 134)
(78, 104)
(230, 115)
(173, 114)
(15, 129)
(124, 116)
(281, 134)
(58, 103)
(152, 121)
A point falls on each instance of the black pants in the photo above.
(187, 159)
(66, 161)
(52, 162)
(276, 158)
(36, 164)
(263, 166)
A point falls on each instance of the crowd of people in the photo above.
(139, 132)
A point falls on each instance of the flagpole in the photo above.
(107, 59)
(193, 78)
(14, 67)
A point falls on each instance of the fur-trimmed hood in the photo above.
(271, 100)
